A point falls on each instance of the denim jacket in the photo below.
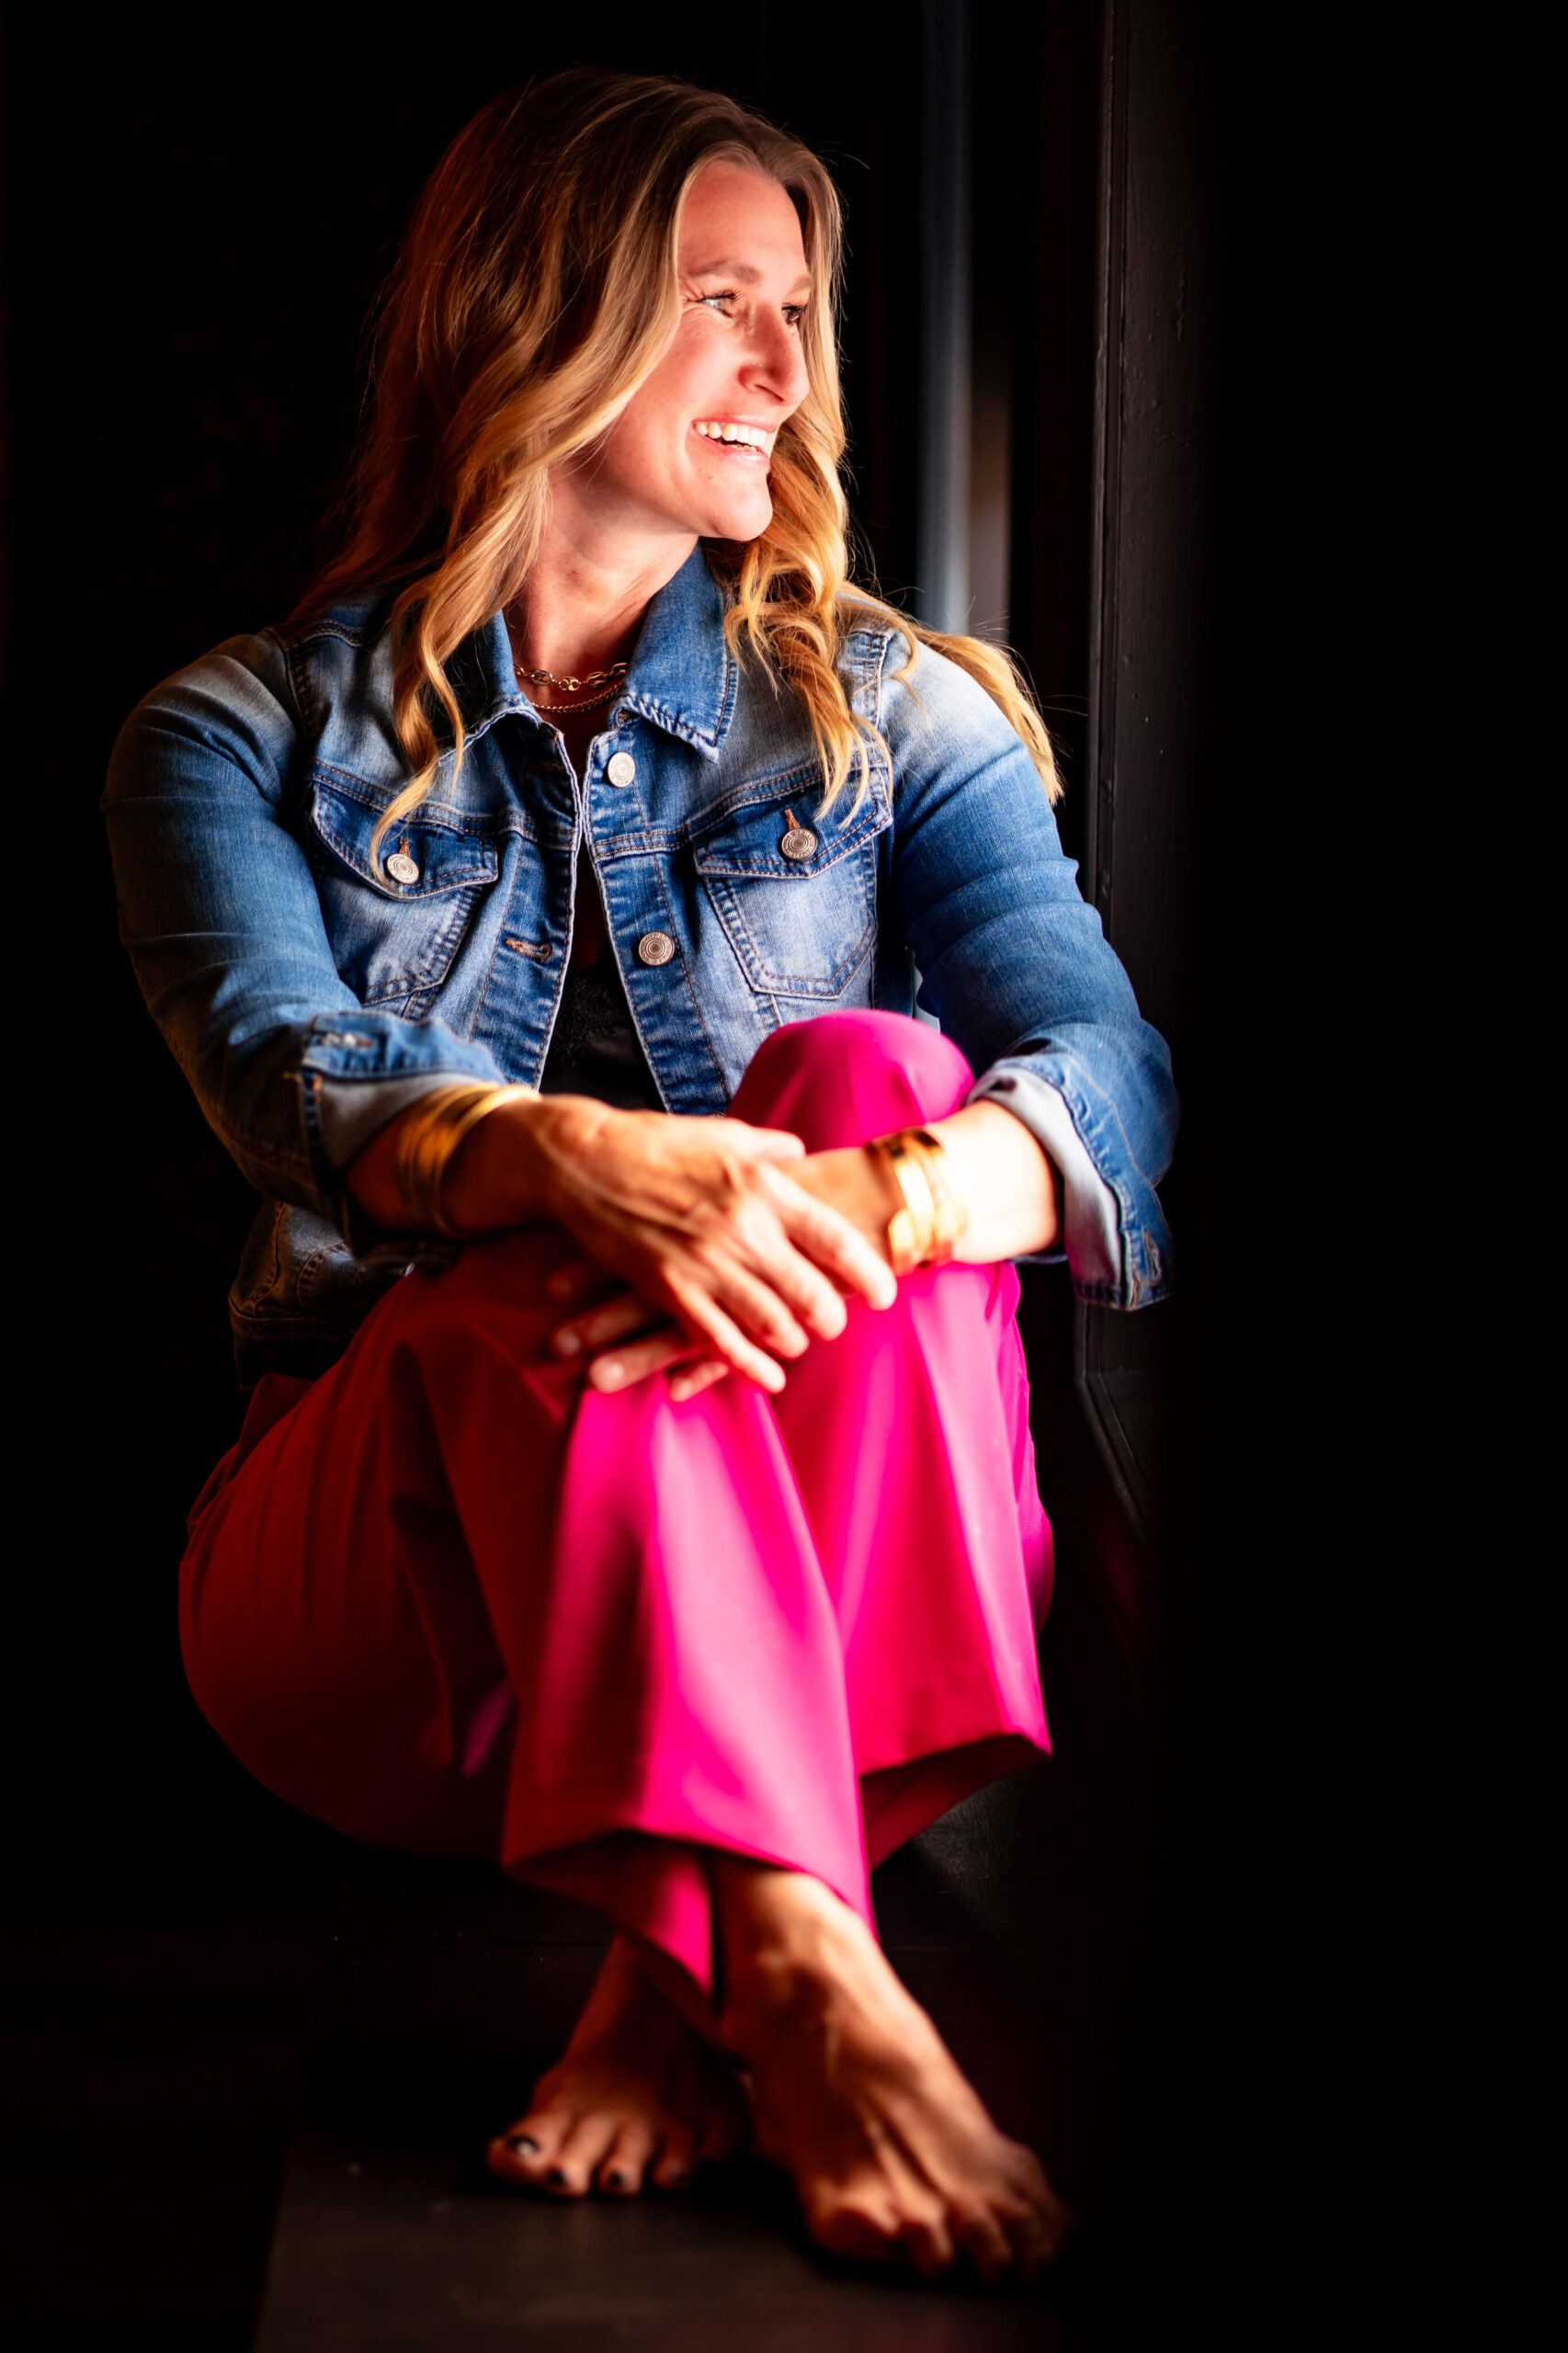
(309, 997)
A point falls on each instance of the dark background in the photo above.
(200, 213)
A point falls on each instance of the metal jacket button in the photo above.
(800, 842)
(655, 948)
(621, 768)
(401, 867)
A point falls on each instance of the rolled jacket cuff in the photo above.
(1091, 1213)
(353, 1081)
(351, 1113)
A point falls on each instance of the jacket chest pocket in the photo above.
(796, 893)
(396, 929)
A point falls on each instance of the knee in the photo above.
(846, 1076)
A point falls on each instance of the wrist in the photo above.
(933, 1212)
(513, 1168)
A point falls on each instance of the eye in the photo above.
(793, 313)
(715, 301)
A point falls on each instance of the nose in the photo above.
(775, 364)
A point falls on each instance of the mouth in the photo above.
(750, 443)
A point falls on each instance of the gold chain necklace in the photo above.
(590, 702)
(594, 678)
(609, 679)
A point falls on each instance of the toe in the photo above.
(980, 2234)
(672, 2169)
(625, 2163)
(923, 2223)
(1034, 2231)
(527, 2150)
(570, 2172)
(1030, 2213)
(927, 2241)
(863, 2225)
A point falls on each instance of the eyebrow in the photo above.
(744, 271)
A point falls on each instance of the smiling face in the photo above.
(688, 455)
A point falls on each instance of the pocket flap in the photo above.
(420, 856)
(769, 836)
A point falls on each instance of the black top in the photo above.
(594, 1050)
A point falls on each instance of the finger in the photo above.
(693, 1378)
(623, 1368)
(615, 1320)
(805, 1291)
(832, 1242)
(720, 1336)
(579, 1279)
(751, 1298)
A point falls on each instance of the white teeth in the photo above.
(752, 435)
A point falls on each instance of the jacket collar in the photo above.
(682, 675)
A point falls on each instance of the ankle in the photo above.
(788, 1939)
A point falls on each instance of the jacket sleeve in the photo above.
(1017, 969)
(218, 909)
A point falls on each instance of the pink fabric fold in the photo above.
(445, 1596)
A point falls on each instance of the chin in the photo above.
(741, 525)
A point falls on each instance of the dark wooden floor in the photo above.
(283, 2106)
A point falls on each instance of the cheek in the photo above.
(637, 452)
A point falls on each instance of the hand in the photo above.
(855, 1183)
(728, 1264)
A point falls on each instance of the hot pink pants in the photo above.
(445, 1597)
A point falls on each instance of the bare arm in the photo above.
(1013, 1192)
(732, 1248)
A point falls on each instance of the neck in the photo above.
(586, 595)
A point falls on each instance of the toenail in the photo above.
(677, 2177)
(524, 2141)
(556, 2177)
(615, 2181)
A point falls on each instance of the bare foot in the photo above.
(638, 2097)
(856, 2096)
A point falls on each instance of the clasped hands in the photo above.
(709, 1246)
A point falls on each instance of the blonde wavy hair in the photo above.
(536, 289)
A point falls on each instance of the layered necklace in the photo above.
(608, 681)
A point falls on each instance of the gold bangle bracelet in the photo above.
(430, 1138)
(951, 1210)
(925, 1232)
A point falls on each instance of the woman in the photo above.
(536, 917)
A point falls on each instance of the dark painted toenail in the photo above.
(616, 2180)
(677, 2177)
(523, 2140)
(556, 2177)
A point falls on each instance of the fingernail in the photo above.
(568, 1343)
(608, 1373)
(524, 2141)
